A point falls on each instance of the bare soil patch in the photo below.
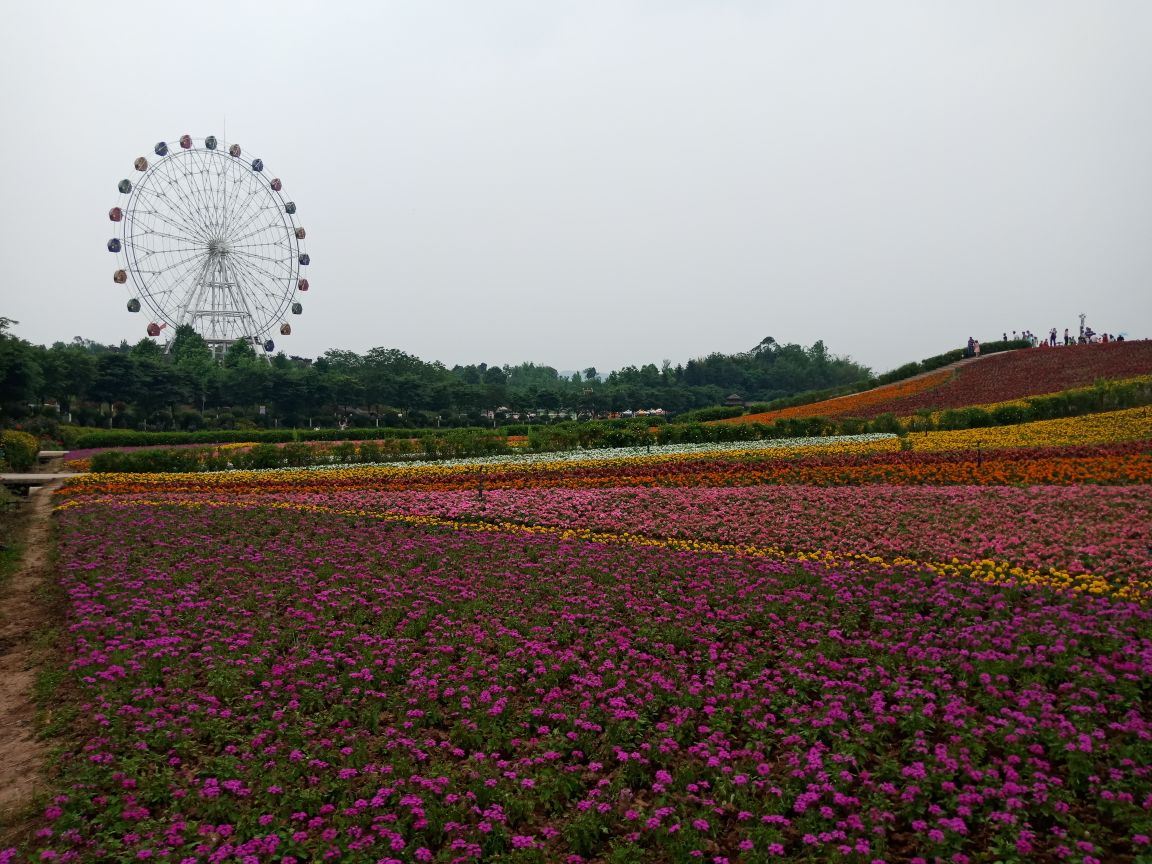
(24, 611)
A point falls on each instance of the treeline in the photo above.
(143, 387)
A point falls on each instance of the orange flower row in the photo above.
(846, 405)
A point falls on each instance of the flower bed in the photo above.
(1080, 529)
(274, 684)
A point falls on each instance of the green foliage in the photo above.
(150, 461)
(715, 412)
(20, 449)
(1006, 415)
(128, 438)
(549, 438)
(886, 423)
(20, 372)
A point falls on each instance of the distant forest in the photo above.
(141, 385)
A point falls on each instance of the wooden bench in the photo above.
(46, 456)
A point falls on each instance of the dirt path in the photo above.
(23, 611)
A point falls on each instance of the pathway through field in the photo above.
(23, 610)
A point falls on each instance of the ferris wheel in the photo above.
(206, 238)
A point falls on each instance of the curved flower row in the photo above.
(854, 403)
(1127, 585)
(1079, 529)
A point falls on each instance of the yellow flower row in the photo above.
(985, 570)
(1112, 427)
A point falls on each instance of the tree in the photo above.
(146, 348)
(115, 379)
(239, 353)
(68, 371)
(19, 371)
(193, 358)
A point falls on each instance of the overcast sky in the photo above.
(608, 183)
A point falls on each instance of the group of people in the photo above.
(1086, 336)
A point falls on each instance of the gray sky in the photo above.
(605, 183)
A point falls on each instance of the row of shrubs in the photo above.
(457, 444)
(453, 444)
(568, 436)
(95, 438)
(130, 438)
(1103, 396)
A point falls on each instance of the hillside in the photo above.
(997, 378)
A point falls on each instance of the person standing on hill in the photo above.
(1052, 338)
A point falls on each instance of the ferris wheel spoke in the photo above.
(245, 216)
(277, 229)
(232, 185)
(271, 304)
(267, 276)
(153, 252)
(190, 235)
(186, 230)
(258, 257)
(191, 209)
(174, 265)
(241, 227)
(259, 275)
(249, 294)
(186, 283)
(152, 232)
(240, 195)
(200, 182)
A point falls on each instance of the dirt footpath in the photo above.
(23, 611)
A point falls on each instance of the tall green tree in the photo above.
(19, 372)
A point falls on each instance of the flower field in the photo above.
(849, 650)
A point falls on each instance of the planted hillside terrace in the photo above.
(1002, 377)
